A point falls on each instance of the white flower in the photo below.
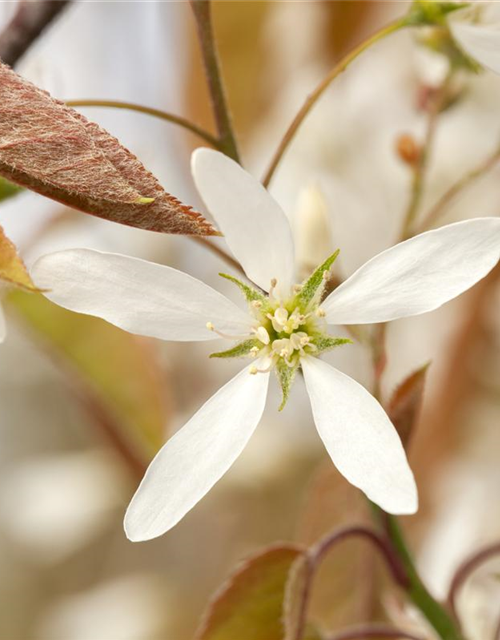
(477, 30)
(282, 330)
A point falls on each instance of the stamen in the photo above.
(321, 313)
(262, 335)
(227, 336)
(254, 370)
(274, 282)
(256, 304)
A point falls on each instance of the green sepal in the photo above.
(286, 376)
(327, 343)
(315, 282)
(240, 350)
(8, 189)
(430, 12)
(249, 292)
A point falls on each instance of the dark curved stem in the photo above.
(29, 21)
(372, 631)
(150, 111)
(202, 10)
(316, 555)
(312, 99)
(466, 569)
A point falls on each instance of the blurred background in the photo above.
(84, 406)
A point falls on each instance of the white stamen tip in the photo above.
(253, 370)
(320, 312)
(210, 326)
(256, 304)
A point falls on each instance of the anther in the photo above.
(274, 282)
(256, 304)
(210, 327)
(253, 370)
(321, 313)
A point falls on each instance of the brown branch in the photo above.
(202, 11)
(28, 23)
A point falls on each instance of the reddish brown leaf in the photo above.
(405, 404)
(249, 606)
(53, 150)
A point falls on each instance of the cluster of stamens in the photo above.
(282, 331)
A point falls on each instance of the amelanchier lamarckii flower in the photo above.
(285, 326)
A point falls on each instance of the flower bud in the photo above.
(407, 149)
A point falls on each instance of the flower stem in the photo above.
(321, 88)
(435, 613)
(381, 631)
(420, 169)
(460, 185)
(157, 113)
(202, 10)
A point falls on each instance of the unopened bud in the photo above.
(408, 149)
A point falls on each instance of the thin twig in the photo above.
(208, 244)
(465, 570)
(372, 631)
(29, 21)
(463, 183)
(496, 635)
(420, 168)
(202, 10)
(320, 89)
(150, 111)
(317, 554)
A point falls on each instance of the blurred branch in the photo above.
(30, 20)
(373, 631)
(202, 10)
(463, 183)
(465, 570)
(437, 103)
(150, 111)
(321, 88)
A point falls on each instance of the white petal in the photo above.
(256, 229)
(3, 325)
(197, 456)
(138, 296)
(480, 41)
(360, 438)
(417, 275)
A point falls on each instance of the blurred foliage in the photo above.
(117, 370)
(406, 402)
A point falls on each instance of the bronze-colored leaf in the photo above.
(12, 269)
(405, 404)
(50, 148)
(249, 606)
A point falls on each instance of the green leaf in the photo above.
(240, 350)
(249, 292)
(115, 372)
(315, 282)
(249, 606)
(327, 343)
(286, 376)
(8, 189)
(406, 402)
